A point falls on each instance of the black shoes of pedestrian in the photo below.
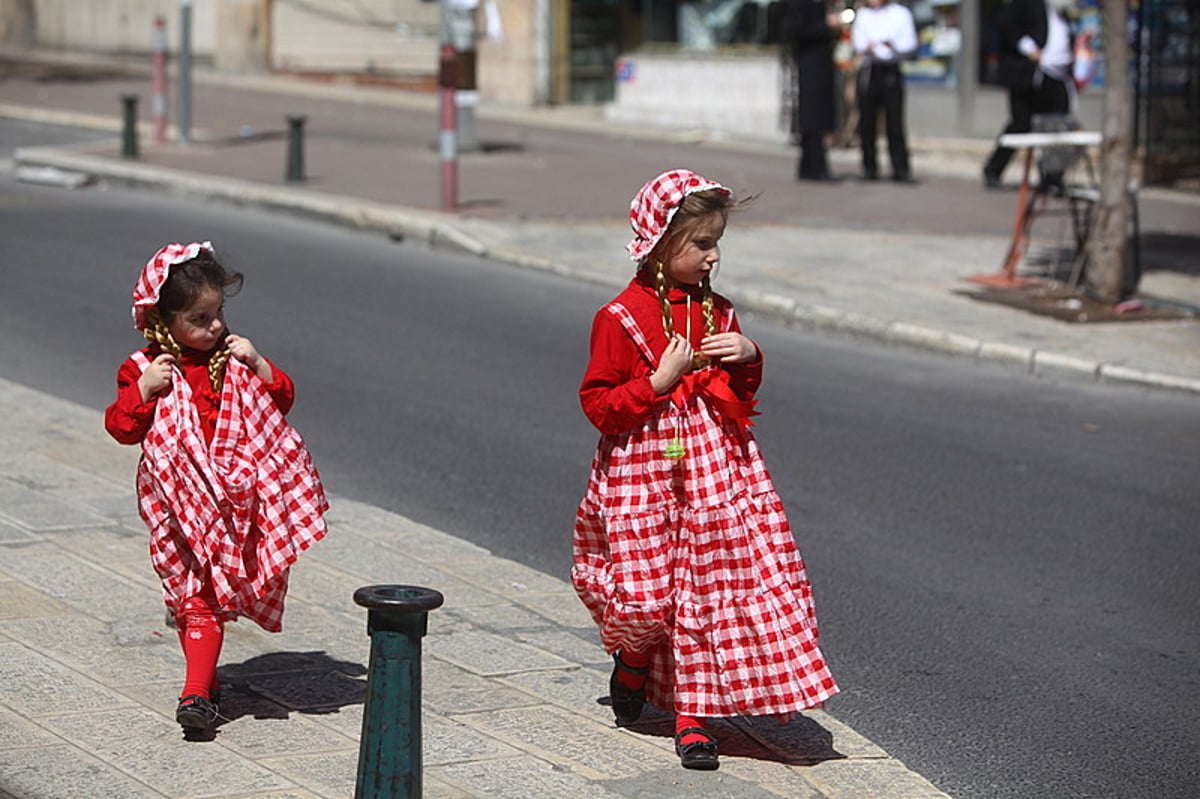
(195, 712)
(627, 703)
(990, 181)
(699, 755)
(824, 177)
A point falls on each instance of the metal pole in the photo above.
(158, 104)
(295, 157)
(448, 133)
(461, 32)
(185, 71)
(389, 754)
(129, 143)
(969, 27)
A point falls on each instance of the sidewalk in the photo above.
(549, 188)
(512, 666)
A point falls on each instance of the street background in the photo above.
(890, 265)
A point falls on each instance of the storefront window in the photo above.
(708, 24)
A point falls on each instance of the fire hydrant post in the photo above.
(295, 151)
(389, 753)
(129, 140)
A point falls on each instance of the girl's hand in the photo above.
(675, 361)
(157, 377)
(242, 348)
(729, 348)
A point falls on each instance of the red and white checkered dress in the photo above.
(236, 511)
(693, 560)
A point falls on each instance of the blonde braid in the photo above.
(700, 360)
(216, 369)
(158, 333)
(710, 318)
(660, 280)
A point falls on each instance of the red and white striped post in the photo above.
(448, 132)
(158, 103)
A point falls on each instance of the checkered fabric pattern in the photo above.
(694, 561)
(154, 274)
(654, 206)
(239, 510)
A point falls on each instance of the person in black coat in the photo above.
(1035, 65)
(809, 32)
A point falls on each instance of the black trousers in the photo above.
(1049, 96)
(813, 161)
(881, 86)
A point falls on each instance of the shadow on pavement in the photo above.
(798, 742)
(273, 685)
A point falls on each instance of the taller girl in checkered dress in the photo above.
(225, 484)
(683, 554)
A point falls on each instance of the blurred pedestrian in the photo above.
(1036, 65)
(809, 34)
(884, 35)
(683, 553)
(225, 484)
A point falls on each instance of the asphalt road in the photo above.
(1004, 567)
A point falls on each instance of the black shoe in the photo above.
(905, 178)
(195, 712)
(869, 176)
(1052, 185)
(990, 181)
(699, 755)
(824, 177)
(627, 703)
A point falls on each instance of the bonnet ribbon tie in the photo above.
(713, 385)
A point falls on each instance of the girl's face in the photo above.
(201, 326)
(699, 254)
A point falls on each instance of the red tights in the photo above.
(634, 681)
(201, 633)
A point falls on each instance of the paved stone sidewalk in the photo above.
(513, 670)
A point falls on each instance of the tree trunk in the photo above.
(1108, 245)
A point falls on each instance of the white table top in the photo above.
(1070, 138)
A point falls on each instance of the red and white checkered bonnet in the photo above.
(154, 274)
(654, 207)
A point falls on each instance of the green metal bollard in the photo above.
(389, 752)
(129, 141)
(295, 156)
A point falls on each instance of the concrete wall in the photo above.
(359, 36)
(508, 68)
(243, 43)
(121, 26)
(740, 96)
(16, 23)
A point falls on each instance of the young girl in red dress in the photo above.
(683, 553)
(225, 484)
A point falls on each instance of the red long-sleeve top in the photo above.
(616, 393)
(128, 419)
